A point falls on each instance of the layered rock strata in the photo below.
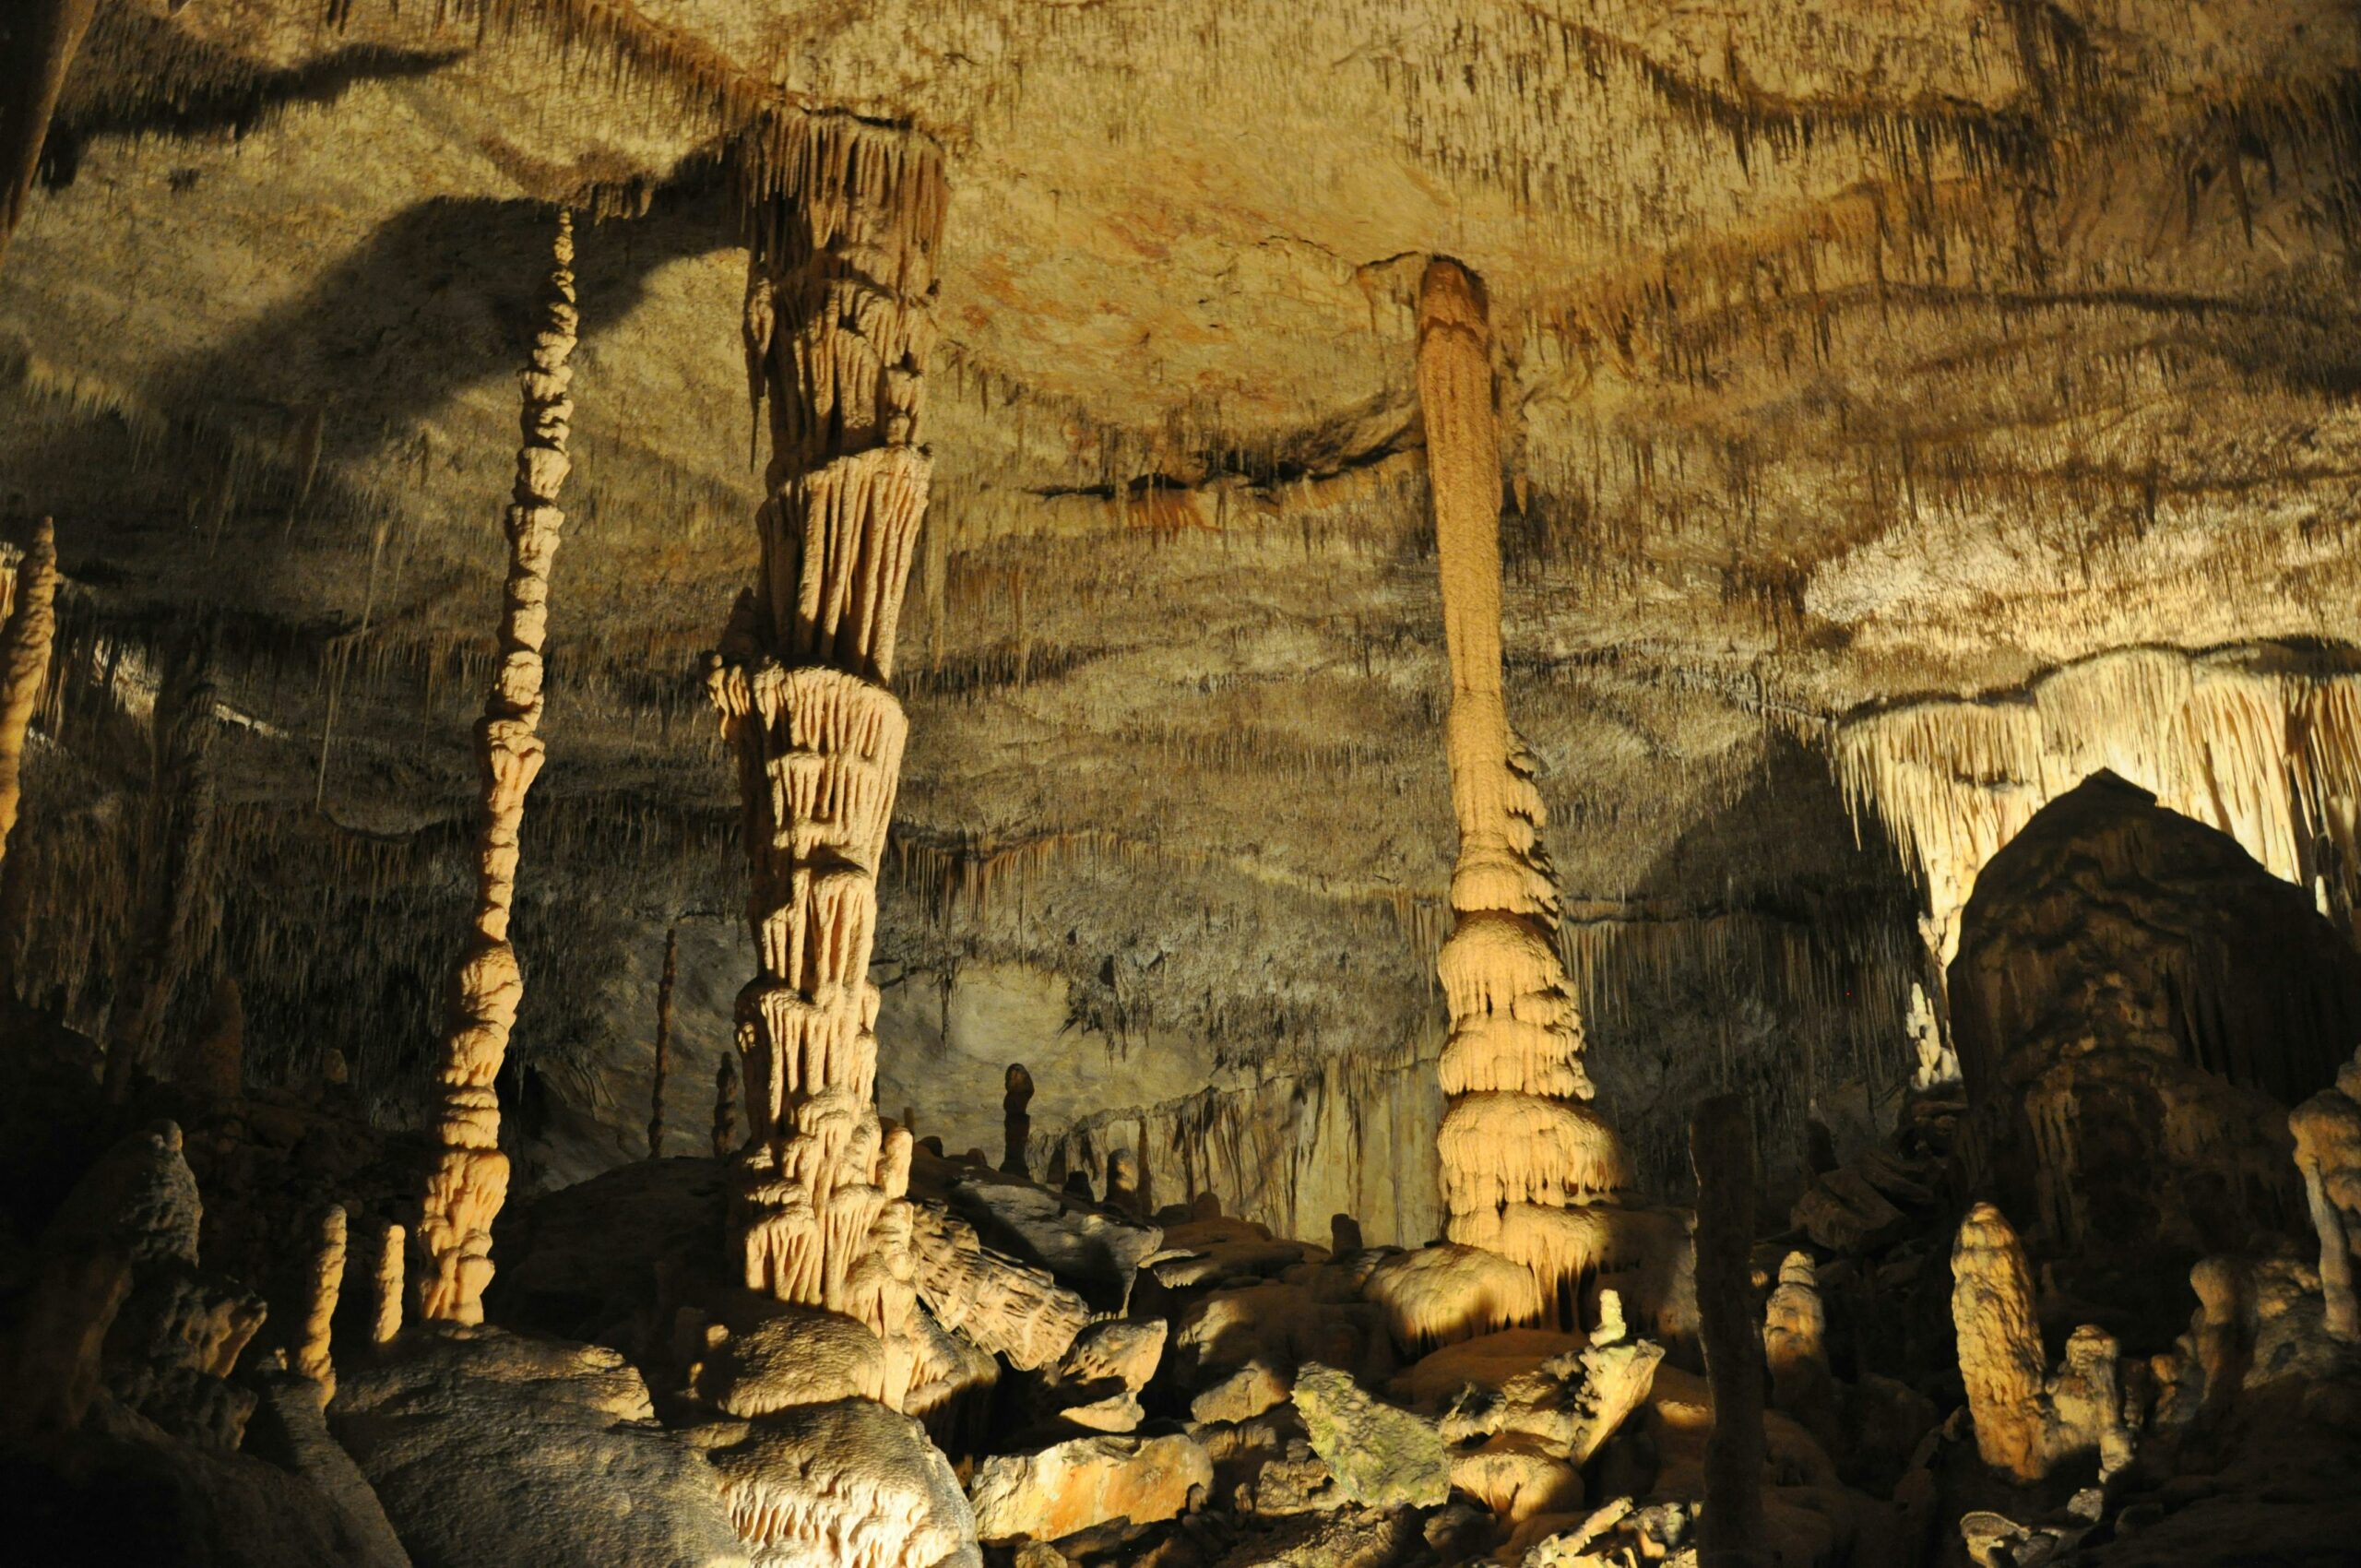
(1528, 1167)
(469, 1179)
(839, 325)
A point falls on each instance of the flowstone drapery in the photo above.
(1526, 1165)
(839, 325)
(24, 664)
(471, 1177)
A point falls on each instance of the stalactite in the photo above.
(41, 41)
(1730, 1530)
(2258, 743)
(846, 218)
(663, 1042)
(24, 665)
(470, 1179)
(1525, 1163)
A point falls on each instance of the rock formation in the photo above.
(2327, 1129)
(2028, 1420)
(2135, 1006)
(663, 1042)
(24, 664)
(838, 326)
(470, 1181)
(172, 904)
(42, 39)
(1730, 1530)
(1017, 1122)
(1005, 1307)
(1527, 1166)
(313, 1356)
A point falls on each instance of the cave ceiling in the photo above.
(1849, 353)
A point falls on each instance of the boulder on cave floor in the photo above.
(1379, 1454)
(1073, 1486)
(487, 1449)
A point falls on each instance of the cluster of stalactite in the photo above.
(1526, 1165)
(470, 1182)
(839, 325)
(2265, 745)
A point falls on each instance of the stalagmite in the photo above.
(663, 1042)
(839, 325)
(1730, 1530)
(1795, 1345)
(24, 664)
(174, 844)
(2027, 1422)
(386, 1286)
(471, 1178)
(725, 1110)
(1016, 1125)
(311, 1357)
(1526, 1165)
(2328, 1155)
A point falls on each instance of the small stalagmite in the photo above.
(839, 323)
(725, 1110)
(469, 1179)
(2328, 1155)
(663, 1042)
(1529, 1169)
(324, 1284)
(24, 665)
(1017, 1123)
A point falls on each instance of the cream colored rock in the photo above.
(1244, 1393)
(838, 326)
(1515, 1137)
(24, 664)
(2327, 1129)
(1442, 1294)
(2028, 1421)
(1003, 1305)
(1485, 1363)
(1072, 1486)
(470, 1182)
(804, 1355)
(848, 1483)
(312, 1357)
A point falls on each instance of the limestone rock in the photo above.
(1246, 1393)
(1441, 1294)
(1090, 1249)
(1283, 1326)
(1486, 1363)
(849, 1483)
(2027, 1422)
(1074, 1485)
(1379, 1454)
(803, 1356)
(487, 1448)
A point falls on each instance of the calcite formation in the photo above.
(1528, 1168)
(2253, 742)
(2135, 1004)
(312, 1357)
(2028, 1420)
(838, 324)
(1722, 1142)
(469, 1179)
(1004, 1306)
(663, 1042)
(2327, 1129)
(24, 664)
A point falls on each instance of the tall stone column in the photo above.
(469, 1179)
(839, 323)
(24, 664)
(1526, 1164)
